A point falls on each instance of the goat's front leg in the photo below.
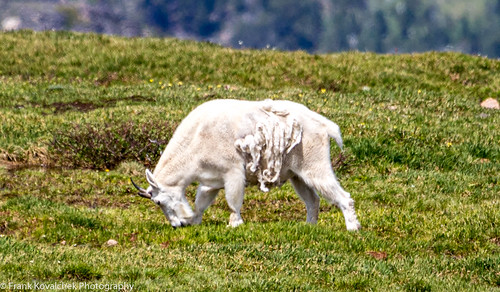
(235, 190)
(205, 196)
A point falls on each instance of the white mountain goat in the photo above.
(229, 143)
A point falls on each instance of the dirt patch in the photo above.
(83, 106)
(11, 164)
(32, 158)
(61, 107)
(97, 202)
(136, 98)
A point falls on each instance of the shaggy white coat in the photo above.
(227, 144)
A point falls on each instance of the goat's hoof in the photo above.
(353, 226)
(235, 223)
(235, 220)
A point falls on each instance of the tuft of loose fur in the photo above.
(274, 136)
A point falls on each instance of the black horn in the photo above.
(142, 192)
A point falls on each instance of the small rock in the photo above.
(484, 160)
(111, 242)
(490, 103)
(11, 23)
(379, 255)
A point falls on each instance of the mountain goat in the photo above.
(230, 143)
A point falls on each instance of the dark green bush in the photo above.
(104, 146)
(80, 272)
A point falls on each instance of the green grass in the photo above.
(422, 161)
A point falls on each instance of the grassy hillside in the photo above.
(82, 113)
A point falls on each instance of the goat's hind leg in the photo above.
(310, 198)
(335, 194)
(327, 184)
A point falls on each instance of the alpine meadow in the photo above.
(82, 114)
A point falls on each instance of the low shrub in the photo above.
(105, 146)
(80, 272)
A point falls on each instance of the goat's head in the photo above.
(170, 199)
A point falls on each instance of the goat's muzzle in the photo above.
(142, 192)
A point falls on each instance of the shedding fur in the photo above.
(273, 138)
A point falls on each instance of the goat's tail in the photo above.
(333, 131)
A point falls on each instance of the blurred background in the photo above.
(316, 26)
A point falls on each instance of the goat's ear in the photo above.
(151, 179)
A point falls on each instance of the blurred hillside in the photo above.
(315, 26)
